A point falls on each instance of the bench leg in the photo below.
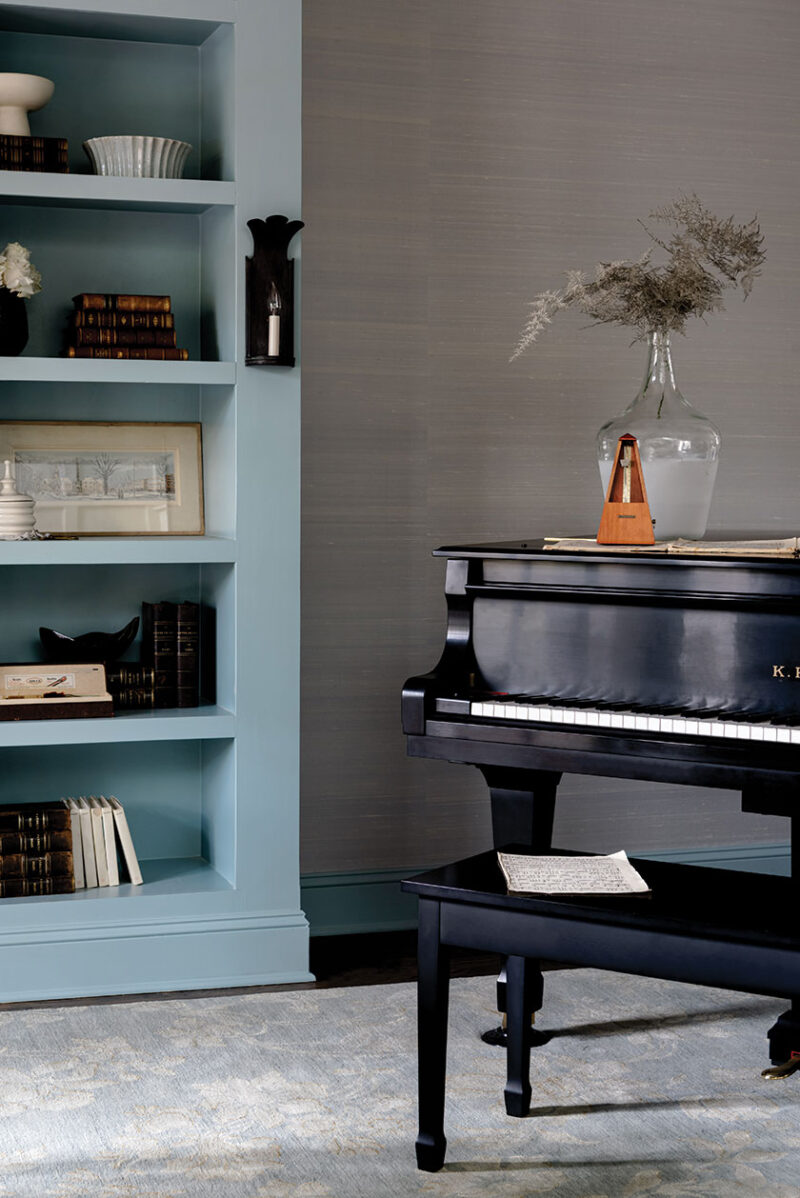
(433, 985)
(523, 994)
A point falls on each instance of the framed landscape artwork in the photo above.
(108, 479)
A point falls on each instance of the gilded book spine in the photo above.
(28, 887)
(35, 843)
(129, 303)
(90, 318)
(160, 650)
(34, 818)
(162, 338)
(23, 865)
(138, 352)
(188, 654)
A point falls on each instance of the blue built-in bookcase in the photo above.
(211, 794)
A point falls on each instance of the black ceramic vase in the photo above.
(13, 323)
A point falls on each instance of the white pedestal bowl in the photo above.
(19, 95)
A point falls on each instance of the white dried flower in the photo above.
(17, 272)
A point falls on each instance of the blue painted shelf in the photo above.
(106, 370)
(202, 723)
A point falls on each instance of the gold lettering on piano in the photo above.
(786, 672)
(777, 672)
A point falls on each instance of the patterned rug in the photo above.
(645, 1088)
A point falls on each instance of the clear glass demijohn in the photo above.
(678, 447)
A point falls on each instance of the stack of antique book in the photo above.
(21, 153)
(63, 846)
(123, 326)
(168, 674)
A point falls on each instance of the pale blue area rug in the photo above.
(647, 1088)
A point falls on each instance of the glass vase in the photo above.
(678, 447)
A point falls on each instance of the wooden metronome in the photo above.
(626, 516)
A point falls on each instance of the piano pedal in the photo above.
(778, 1072)
(498, 1036)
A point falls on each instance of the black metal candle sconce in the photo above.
(270, 293)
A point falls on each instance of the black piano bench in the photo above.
(698, 925)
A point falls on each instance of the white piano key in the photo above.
(756, 732)
(784, 736)
(690, 727)
(743, 731)
(770, 732)
(593, 719)
(795, 736)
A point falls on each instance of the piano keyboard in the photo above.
(619, 719)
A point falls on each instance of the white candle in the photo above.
(274, 336)
(273, 323)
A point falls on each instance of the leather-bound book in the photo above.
(138, 352)
(23, 153)
(33, 817)
(188, 654)
(100, 318)
(158, 338)
(46, 865)
(35, 843)
(27, 887)
(127, 303)
(160, 650)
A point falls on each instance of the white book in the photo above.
(110, 841)
(77, 847)
(126, 841)
(98, 838)
(613, 874)
(87, 842)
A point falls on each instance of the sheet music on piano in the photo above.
(774, 547)
(600, 875)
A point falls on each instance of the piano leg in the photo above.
(523, 807)
(784, 1035)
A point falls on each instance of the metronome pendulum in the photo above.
(626, 518)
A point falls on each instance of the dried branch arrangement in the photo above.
(705, 256)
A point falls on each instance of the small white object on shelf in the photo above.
(17, 522)
(138, 157)
(19, 95)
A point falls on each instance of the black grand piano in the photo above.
(671, 667)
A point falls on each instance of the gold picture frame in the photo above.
(108, 478)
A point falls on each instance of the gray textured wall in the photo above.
(459, 156)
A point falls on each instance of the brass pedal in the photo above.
(778, 1072)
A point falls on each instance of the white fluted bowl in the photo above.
(140, 157)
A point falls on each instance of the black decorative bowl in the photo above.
(92, 646)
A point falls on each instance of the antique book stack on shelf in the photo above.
(36, 850)
(168, 674)
(124, 326)
(19, 153)
(65, 845)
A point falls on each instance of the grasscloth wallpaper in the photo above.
(460, 156)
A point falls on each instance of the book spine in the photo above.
(33, 153)
(35, 819)
(107, 351)
(23, 865)
(128, 303)
(98, 318)
(188, 654)
(164, 338)
(27, 887)
(131, 685)
(35, 843)
(160, 650)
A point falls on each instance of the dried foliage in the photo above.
(705, 256)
